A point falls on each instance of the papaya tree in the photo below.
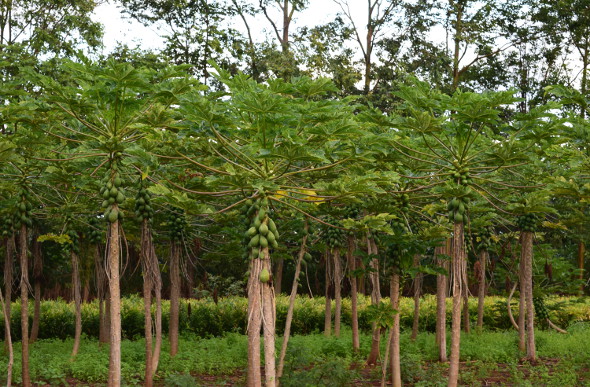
(102, 110)
(263, 144)
(462, 143)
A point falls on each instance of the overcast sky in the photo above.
(124, 30)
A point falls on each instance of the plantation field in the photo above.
(488, 358)
(207, 319)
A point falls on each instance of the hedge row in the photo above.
(204, 318)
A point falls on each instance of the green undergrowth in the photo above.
(204, 318)
(316, 360)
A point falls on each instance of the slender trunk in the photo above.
(8, 341)
(174, 296)
(292, 298)
(158, 322)
(24, 302)
(327, 294)
(101, 290)
(441, 305)
(457, 272)
(37, 273)
(147, 318)
(481, 292)
(278, 277)
(337, 290)
(114, 304)
(8, 279)
(254, 323)
(375, 300)
(509, 307)
(521, 305)
(77, 302)
(581, 253)
(353, 294)
(269, 324)
(527, 254)
(417, 294)
(396, 375)
(466, 318)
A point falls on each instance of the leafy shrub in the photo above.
(205, 318)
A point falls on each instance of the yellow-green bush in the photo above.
(206, 319)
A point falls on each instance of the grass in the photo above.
(316, 360)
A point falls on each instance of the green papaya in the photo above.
(120, 198)
(251, 232)
(263, 241)
(255, 241)
(458, 218)
(263, 229)
(113, 216)
(264, 275)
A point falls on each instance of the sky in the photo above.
(119, 28)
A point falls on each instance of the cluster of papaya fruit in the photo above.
(177, 224)
(402, 202)
(540, 308)
(262, 232)
(24, 206)
(94, 235)
(461, 174)
(527, 222)
(6, 226)
(143, 207)
(457, 208)
(113, 194)
(484, 239)
(334, 237)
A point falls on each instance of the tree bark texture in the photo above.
(375, 300)
(24, 302)
(481, 292)
(37, 277)
(76, 285)
(337, 290)
(441, 305)
(458, 269)
(292, 297)
(328, 294)
(8, 278)
(113, 257)
(174, 296)
(351, 259)
(527, 256)
(417, 294)
(396, 376)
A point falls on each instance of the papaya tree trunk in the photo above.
(527, 256)
(8, 280)
(417, 294)
(292, 297)
(37, 274)
(396, 376)
(375, 300)
(152, 284)
(337, 290)
(174, 297)
(77, 302)
(254, 378)
(481, 292)
(466, 318)
(441, 304)
(114, 304)
(328, 294)
(351, 259)
(268, 324)
(278, 277)
(458, 285)
(8, 341)
(522, 304)
(101, 290)
(24, 302)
